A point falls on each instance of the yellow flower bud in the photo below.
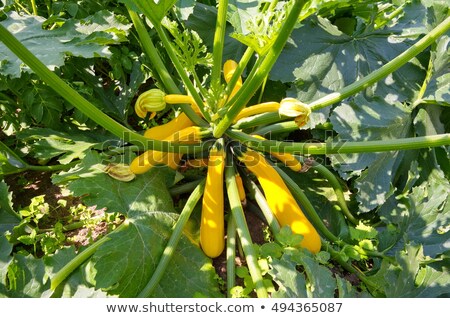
(150, 101)
(291, 107)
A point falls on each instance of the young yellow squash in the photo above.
(212, 219)
(280, 200)
(151, 158)
(161, 132)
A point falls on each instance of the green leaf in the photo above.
(8, 217)
(291, 283)
(87, 39)
(421, 217)
(146, 193)
(124, 264)
(322, 284)
(26, 277)
(438, 89)
(362, 120)
(189, 273)
(77, 284)
(48, 143)
(410, 279)
(5, 260)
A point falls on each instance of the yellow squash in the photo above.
(151, 158)
(212, 225)
(280, 200)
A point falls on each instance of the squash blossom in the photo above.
(151, 101)
(293, 108)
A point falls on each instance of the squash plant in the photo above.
(327, 119)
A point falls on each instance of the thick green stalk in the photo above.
(251, 85)
(334, 182)
(159, 65)
(328, 148)
(243, 232)
(383, 71)
(44, 168)
(262, 203)
(74, 98)
(34, 7)
(219, 41)
(184, 188)
(169, 250)
(74, 263)
(278, 128)
(231, 255)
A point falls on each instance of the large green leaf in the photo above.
(146, 193)
(5, 259)
(26, 277)
(73, 38)
(291, 283)
(46, 144)
(77, 284)
(410, 279)
(124, 264)
(8, 217)
(362, 120)
(421, 216)
(189, 274)
(321, 281)
(438, 89)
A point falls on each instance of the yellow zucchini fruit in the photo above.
(280, 200)
(257, 109)
(151, 158)
(228, 70)
(163, 131)
(212, 232)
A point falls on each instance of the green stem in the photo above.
(328, 148)
(278, 128)
(33, 5)
(219, 39)
(184, 188)
(74, 98)
(251, 85)
(243, 232)
(307, 207)
(231, 255)
(262, 203)
(169, 250)
(47, 168)
(158, 64)
(383, 71)
(334, 182)
(74, 263)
